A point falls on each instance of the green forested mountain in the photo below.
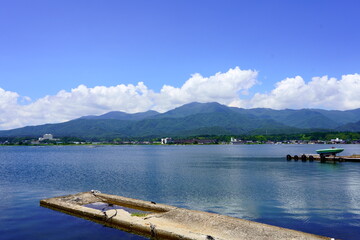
(350, 127)
(197, 119)
(303, 118)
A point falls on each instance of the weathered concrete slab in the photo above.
(168, 222)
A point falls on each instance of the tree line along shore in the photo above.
(303, 138)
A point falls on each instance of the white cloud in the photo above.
(221, 87)
(7, 98)
(226, 88)
(88, 101)
(80, 101)
(320, 92)
(8, 106)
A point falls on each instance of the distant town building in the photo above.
(337, 140)
(166, 140)
(235, 141)
(48, 136)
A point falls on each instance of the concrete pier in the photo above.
(161, 221)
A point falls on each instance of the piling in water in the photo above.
(323, 158)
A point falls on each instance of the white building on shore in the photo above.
(166, 140)
(47, 136)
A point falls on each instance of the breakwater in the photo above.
(167, 222)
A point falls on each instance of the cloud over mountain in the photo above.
(221, 87)
(320, 92)
(226, 88)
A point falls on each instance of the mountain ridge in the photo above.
(198, 118)
(118, 115)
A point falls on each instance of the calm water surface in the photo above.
(253, 182)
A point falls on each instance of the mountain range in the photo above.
(197, 119)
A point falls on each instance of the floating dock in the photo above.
(323, 158)
(159, 221)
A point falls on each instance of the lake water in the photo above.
(252, 182)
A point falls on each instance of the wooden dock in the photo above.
(323, 158)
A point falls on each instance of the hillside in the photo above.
(197, 119)
(350, 127)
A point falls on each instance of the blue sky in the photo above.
(50, 48)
